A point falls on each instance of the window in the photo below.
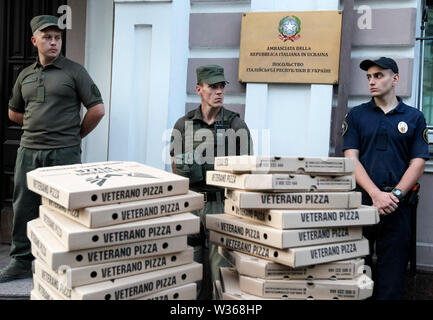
(427, 100)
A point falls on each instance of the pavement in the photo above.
(14, 290)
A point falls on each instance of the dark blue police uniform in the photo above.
(386, 144)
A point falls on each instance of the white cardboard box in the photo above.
(230, 287)
(311, 165)
(298, 219)
(34, 295)
(277, 238)
(185, 292)
(113, 214)
(75, 236)
(260, 268)
(49, 250)
(290, 200)
(127, 288)
(296, 257)
(280, 182)
(44, 291)
(75, 277)
(359, 288)
(93, 184)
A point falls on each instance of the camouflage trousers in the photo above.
(206, 252)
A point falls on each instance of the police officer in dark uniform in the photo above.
(198, 137)
(46, 102)
(389, 141)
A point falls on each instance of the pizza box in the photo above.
(230, 289)
(44, 291)
(359, 288)
(113, 214)
(48, 249)
(127, 288)
(310, 165)
(278, 238)
(300, 218)
(75, 277)
(264, 269)
(75, 236)
(185, 292)
(101, 183)
(35, 296)
(295, 257)
(294, 200)
(280, 182)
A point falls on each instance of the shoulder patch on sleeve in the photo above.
(425, 135)
(345, 126)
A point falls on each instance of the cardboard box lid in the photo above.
(294, 200)
(281, 182)
(184, 274)
(278, 238)
(260, 268)
(306, 218)
(75, 236)
(75, 277)
(127, 288)
(35, 296)
(44, 291)
(295, 257)
(113, 214)
(358, 288)
(92, 184)
(332, 165)
(55, 255)
(185, 292)
(230, 286)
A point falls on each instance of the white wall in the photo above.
(99, 25)
(297, 116)
(148, 82)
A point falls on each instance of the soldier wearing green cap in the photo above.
(46, 102)
(197, 138)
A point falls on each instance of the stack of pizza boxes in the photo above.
(292, 229)
(113, 231)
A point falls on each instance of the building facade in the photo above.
(143, 55)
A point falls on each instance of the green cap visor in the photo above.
(211, 74)
(43, 22)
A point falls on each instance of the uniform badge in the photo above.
(425, 135)
(402, 127)
(345, 126)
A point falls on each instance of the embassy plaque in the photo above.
(290, 47)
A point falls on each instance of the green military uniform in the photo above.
(50, 98)
(189, 165)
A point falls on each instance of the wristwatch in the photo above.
(398, 193)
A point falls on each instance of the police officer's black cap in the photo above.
(43, 22)
(211, 74)
(383, 62)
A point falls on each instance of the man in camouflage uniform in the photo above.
(198, 137)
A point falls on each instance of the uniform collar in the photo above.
(198, 115)
(58, 63)
(398, 109)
